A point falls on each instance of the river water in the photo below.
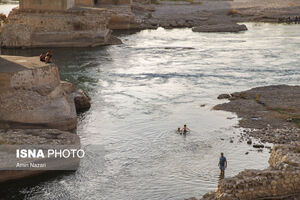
(143, 90)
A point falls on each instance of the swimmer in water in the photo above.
(179, 131)
(185, 129)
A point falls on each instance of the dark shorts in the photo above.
(222, 167)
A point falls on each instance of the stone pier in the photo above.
(74, 27)
(33, 96)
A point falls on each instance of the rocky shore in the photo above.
(37, 108)
(33, 96)
(280, 181)
(85, 26)
(72, 28)
(269, 111)
(271, 115)
(176, 14)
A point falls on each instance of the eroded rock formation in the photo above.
(33, 96)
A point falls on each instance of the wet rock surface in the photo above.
(82, 100)
(269, 113)
(220, 28)
(265, 106)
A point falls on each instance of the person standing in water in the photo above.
(222, 164)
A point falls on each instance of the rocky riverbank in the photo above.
(36, 108)
(91, 26)
(175, 14)
(269, 111)
(33, 96)
(78, 27)
(280, 181)
(271, 114)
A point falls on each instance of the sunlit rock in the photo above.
(33, 96)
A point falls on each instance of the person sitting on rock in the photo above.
(48, 57)
(222, 164)
(42, 57)
(49, 53)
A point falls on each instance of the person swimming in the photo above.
(178, 131)
(185, 129)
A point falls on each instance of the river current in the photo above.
(143, 90)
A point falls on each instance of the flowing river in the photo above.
(146, 88)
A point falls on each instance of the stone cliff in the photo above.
(33, 96)
(37, 110)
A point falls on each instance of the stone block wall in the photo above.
(85, 3)
(42, 75)
(55, 5)
(73, 28)
(32, 96)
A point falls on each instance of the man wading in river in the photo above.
(222, 164)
